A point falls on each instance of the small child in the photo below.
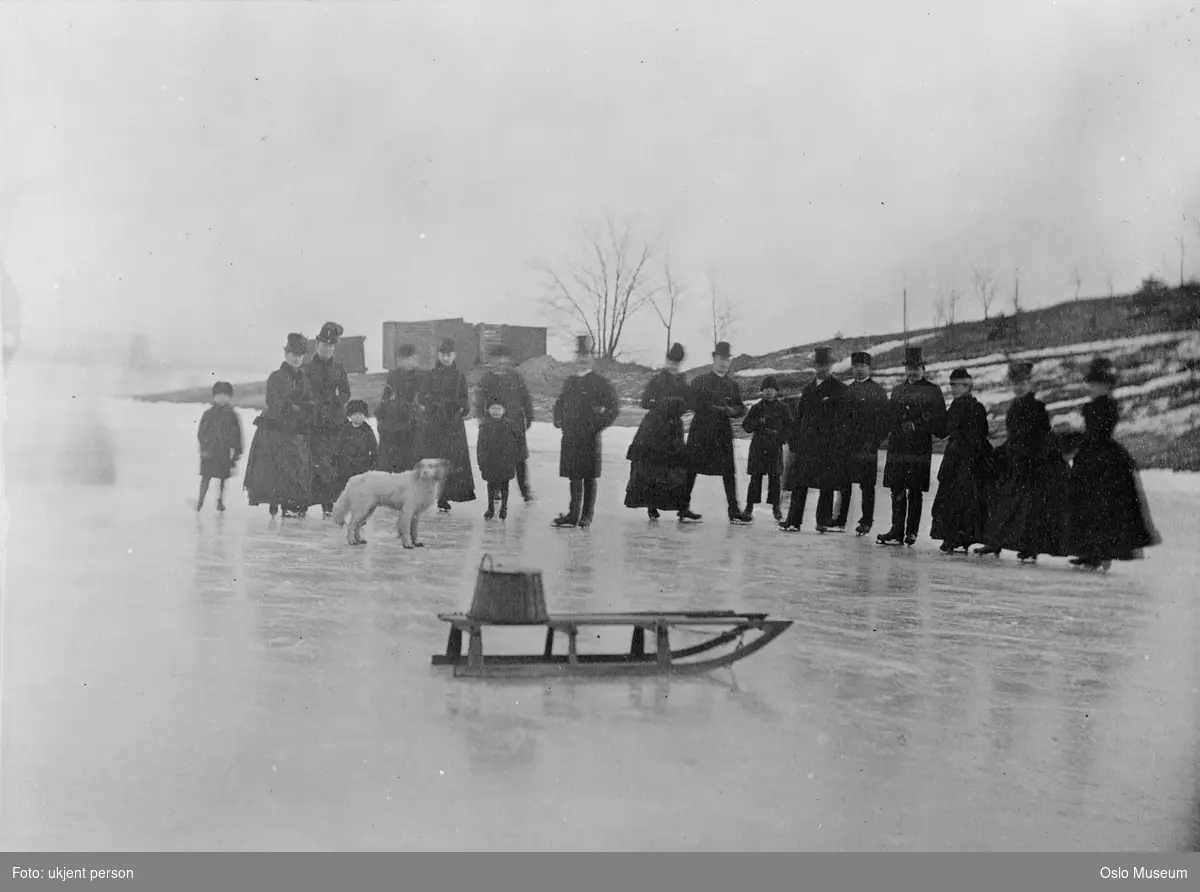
(497, 450)
(357, 446)
(769, 420)
(220, 437)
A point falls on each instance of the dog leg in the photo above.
(402, 528)
(413, 535)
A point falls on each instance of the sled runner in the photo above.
(505, 599)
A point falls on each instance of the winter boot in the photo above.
(652, 513)
(776, 513)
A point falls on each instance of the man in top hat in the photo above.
(916, 414)
(868, 423)
(818, 444)
(331, 389)
(505, 383)
(715, 401)
(587, 405)
(400, 414)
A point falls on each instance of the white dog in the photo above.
(411, 493)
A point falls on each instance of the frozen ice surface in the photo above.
(174, 681)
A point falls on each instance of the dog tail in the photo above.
(342, 506)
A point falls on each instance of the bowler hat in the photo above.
(447, 346)
(913, 358)
(676, 353)
(960, 375)
(722, 350)
(1020, 370)
(860, 357)
(222, 387)
(1101, 372)
(297, 344)
(583, 345)
(330, 332)
(359, 406)
(769, 382)
(823, 356)
(406, 350)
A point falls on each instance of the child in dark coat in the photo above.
(357, 448)
(769, 420)
(498, 450)
(220, 437)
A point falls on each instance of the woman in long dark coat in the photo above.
(400, 415)
(961, 505)
(658, 464)
(331, 390)
(1109, 519)
(588, 404)
(1028, 512)
(444, 435)
(279, 465)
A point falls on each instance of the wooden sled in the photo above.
(729, 627)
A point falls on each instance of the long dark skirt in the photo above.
(1029, 510)
(1109, 518)
(960, 508)
(399, 450)
(279, 469)
(322, 446)
(656, 486)
(449, 442)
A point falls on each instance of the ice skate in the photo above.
(504, 512)
(889, 538)
(910, 539)
(220, 505)
(652, 513)
(776, 513)
(565, 520)
(489, 513)
(862, 529)
(738, 518)
(1024, 556)
(986, 550)
(689, 516)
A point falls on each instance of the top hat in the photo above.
(297, 344)
(405, 350)
(860, 357)
(1020, 370)
(359, 406)
(447, 346)
(823, 356)
(960, 375)
(583, 345)
(330, 332)
(913, 358)
(1101, 372)
(222, 387)
(499, 350)
(769, 382)
(722, 350)
(676, 353)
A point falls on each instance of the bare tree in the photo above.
(666, 301)
(605, 287)
(724, 316)
(1077, 279)
(939, 312)
(1108, 280)
(1015, 329)
(985, 288)
(946, 305)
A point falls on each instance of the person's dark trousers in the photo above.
(576, 500)
(906, 511)
(825, 507)
(754, 490)
(795, 515)
(730, 482)
(868, 506)
(523, 479)
(589, 501)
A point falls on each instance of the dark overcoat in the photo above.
(770, 422)
(499, 448)
(1028, 511)
(330, 391)
(916, 414)
(658, 461)
(960, 508)
(1108, 518)
(715, 401)
(510, 388)
(279, 463)
(818, 442)
(220, 437)
(444, 434)
(868, 426)
(587, 405)
(401, 419)
(357, 451)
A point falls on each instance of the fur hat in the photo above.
(330, 333)
(359, 406)
(496, 401)
(769, 382)
(297, 344)
(223, 387)
(860, 357)
(676, 353)
(1101, 372)
(405, 350)
(722, 350)
(1020, 370)
(913, 358)
(823, 356)
(583, 345)
(499, 350)
(960, 375)
(447, 346)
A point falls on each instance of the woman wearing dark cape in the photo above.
(444, 435)
(279, 464)
(1028, 513)
(960, 509)
(658, 469)
(1109, 519)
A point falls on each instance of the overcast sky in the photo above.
(216, 175)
